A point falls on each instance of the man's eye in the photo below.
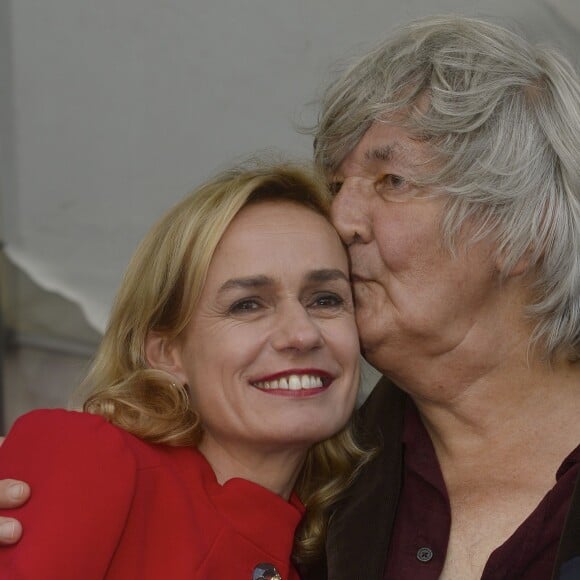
(395, 188)
(334, 188)
(393, 181)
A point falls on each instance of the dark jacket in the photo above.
(361, 524)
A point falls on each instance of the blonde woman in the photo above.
(216, 405)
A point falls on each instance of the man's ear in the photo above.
(164, 354)
(522, 266)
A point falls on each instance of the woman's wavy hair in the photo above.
(159, 293)
(503, 119)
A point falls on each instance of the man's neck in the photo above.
(504, 405)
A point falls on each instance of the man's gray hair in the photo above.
(503, 117)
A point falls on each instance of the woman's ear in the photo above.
(164, 354)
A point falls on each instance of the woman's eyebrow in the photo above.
(326, 275)
(261, 281)
(247, 282)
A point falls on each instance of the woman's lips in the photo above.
(310, 380)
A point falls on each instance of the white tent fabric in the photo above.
(568, 10)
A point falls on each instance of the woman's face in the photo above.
(271, 353)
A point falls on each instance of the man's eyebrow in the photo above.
(383, 152)
(327, 275)
(247, 282)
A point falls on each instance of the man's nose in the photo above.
(350, 211)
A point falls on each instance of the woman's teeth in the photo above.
(292, 383)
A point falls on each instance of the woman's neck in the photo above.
(276, 470)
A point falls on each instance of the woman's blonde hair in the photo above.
(159, 293)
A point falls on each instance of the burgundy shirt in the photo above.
(423, 522)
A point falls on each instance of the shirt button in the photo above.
(266, 571)
(424, 554)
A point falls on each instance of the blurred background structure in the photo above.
(111, 111)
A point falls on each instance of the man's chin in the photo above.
(374, 336)
(373, 358)
(369, 344)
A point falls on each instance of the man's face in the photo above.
(413, 297)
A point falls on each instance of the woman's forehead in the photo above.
(279, 233)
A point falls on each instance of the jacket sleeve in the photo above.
(82, 476)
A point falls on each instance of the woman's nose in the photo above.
(296, 330)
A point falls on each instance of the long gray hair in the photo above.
(503, 119)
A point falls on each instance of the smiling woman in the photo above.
(232, 354)
(276, 309)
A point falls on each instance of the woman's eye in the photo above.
(334, 188)
(327, 301)
(245, 305)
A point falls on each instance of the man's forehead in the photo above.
(386, 145)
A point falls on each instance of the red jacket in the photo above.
(105, 504)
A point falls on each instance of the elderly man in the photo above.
(453, 151)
